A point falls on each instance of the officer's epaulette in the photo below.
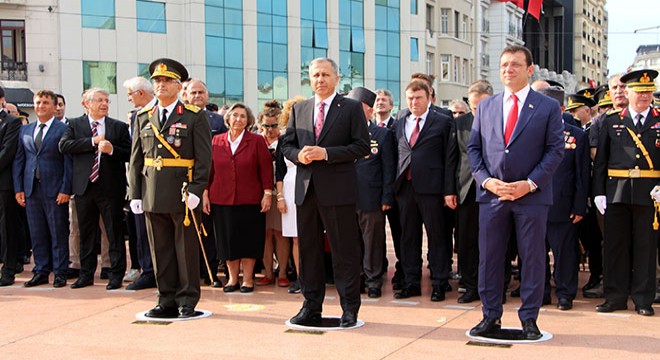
(143, 110)
(192, 108)
(612, 111)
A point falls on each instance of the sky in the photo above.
(626, 16)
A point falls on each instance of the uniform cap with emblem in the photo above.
(656, 98)
(640, 80)
(555, 83)
(363, 95)
(602, 96)
(588, 92)
(575, 101)
(168, 68)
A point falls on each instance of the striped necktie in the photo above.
(94, 176)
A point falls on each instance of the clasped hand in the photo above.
(508, 191)
(311, 153)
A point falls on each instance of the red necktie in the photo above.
(95, 166)
(412, 141)
(382, 124)
(511, 119)
(318, 124)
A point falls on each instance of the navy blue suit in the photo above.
(570, 187)
(534, 152)
(48, 221)
(217, 123)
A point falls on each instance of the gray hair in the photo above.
(328, 60)
(458, 102)
(386, 93)
(139, 83)
(88, 95)
(481, 87)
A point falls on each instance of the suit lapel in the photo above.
(174, 117)
(30, 132)
(529, 107)
(401, 130)
(333, 113)
(649, 121)
(243, 144)
(498, 123)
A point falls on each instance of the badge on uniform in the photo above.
(170, 139)
(177, 142)
(180, 125)
(657, 143)
(172, 130)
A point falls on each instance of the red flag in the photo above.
(518, 3)
(534, 8)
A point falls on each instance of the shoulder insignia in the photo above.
(655, 112)
(143, 110)
(613, 111)
(192, 108)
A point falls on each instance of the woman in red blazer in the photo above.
(239, 193)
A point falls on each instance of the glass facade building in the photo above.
(272, 51)
(388, 48)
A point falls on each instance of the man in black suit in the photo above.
(383, 118)
(326, 134)
(422, 136)
(375, 194)
(461, 193)
(9, 237)
(100, 147)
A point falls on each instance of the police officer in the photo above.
(625, 179)
(173, 148)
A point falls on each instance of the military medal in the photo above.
(573, 146)
(657, 143)
(170, 140)
(172, 130)
(374, 150)
(177, 142)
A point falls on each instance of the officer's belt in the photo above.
(633, 173)
(160, 163)
(642, 148)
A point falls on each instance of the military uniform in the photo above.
(156, 177)
(625, 174)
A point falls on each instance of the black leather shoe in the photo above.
(447, 288)
(81, 283)
(105, 273)
(216, 284)
(37, 279)
(530, 330)
(72, 273)
(307, 317)
(565, 304)
(294, 288)
(397, 283)
(515, 293)
(348, 319)
(162, 312)
(657, 298)
(7, 280)
(608, 307)
(374, 293)
(113, 284)
(437, 294)
(592, 283)
(59, 281)
(486, 327)
(408, 291)
(468, 297)
(645, 310)
(145, 281)
(247, 289)
(547, 299)
(186, 311)
(231, 288)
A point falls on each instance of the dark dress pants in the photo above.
(592, 240)
(563, 241)
(143, 253)
(467, 234)
(9, 232)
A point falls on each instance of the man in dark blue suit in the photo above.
(422, 137)
(514, 149)
(42, 182)
(375, 174)
(570, 188)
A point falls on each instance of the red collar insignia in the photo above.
(623, 113)
(179, 109)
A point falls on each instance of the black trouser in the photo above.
(592, 241)
(9, 238)
(467, 236)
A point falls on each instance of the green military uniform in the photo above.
(625, 171)
(156, 177)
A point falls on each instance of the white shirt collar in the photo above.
(327, 101)
(170, 109)
(91, 120)
(521, 94)
(234, 144)
(633, 113)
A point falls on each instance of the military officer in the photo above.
(173, 148)
(625, 188)
(603, 99)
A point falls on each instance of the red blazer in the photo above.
(240, 179)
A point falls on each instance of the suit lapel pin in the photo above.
(531, 106)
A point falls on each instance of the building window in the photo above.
(314, 38)
(455, 72)
(464, 25)
(351, 44)
(272, 51)
(387, 48)
(98, 14)
(456, 24)
(413, 7)
(414, 49)
(100, 74)
(12, 51)
(444, 21)
(224, 69)
(143, 70)
(150, 16)
(444, 67)
(464, 72)
(430, 63)
(429, 17)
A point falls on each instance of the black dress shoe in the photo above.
(447, 288)
(247, 289)
(374, 293)
(608, 307)
(468, 297)
(81, 283)
(592, 283)
(114, 284)
(408, 291)
(19, 268)
(37, 279)
(530, 330)
(515, 293)
(105, 273)
(645, 310)
(216, 284)
(59, 281)
(547, 299)
(565, 304)
(26, 259)
(231, 288)
(487, 326)
(307, 317)
(162, 312)
(397, 283)
(145, 281)
(186, 311)
(72, 273)
(7, 280)
(437, 294)
(348, 319)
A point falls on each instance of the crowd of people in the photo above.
(303, 192)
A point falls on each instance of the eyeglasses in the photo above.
(458, 112)
(164, 80)
(272, 126)
(130, 93)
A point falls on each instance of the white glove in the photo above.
(136, 206)
(655, 193)
(193, 201)
(601, 203)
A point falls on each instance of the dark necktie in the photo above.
(413, 139)
(37, 145)
(638, 124)
(163, 119)
(511, 119)
(320, 118)
(95, 166)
